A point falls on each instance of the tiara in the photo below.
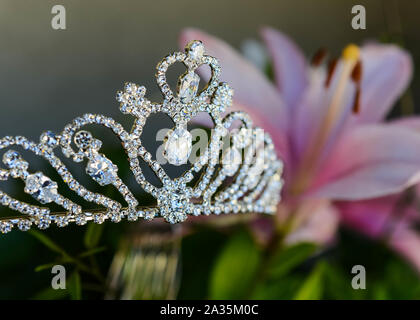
(247, 179)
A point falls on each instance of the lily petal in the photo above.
(387, 70)
(313, 108)
(319, 222)
(371, 217)
(251, 87)
(407, 122)
(407, 243)
(371, 161)
(385, 218)
(289, 65)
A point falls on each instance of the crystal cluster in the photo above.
(249, 165)
(175, 204)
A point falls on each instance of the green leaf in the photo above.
(74, 286)
(235, 268)
(93, 235)
(278, 289)
(287, 259)
(312, 288)
(50, 294)
(48, 242)
(47, 266)
(337, 284)
(92, 252)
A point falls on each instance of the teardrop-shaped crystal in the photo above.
(178, 146)
(188, 86)
(102, 170)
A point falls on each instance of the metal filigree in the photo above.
(246, 177)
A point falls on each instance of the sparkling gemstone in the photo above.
(188, 86)
(44, 222)
(255, 171)
(5, 227)
(116, 217)
(178, 146)
(49, 138)
(223, 97)
(41, 187)
(13, 160)
(4, 174)
(231, 161)
(174, 205)
(24, 225)
(102, 170)
(99, 218)
(133, 215)
(197, 211)
(195, 50)
(96, 144)
(242, 138)
(62, 222)
(80, 220)
(83, 139)
(149, 214)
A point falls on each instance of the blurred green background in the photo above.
(49, 77)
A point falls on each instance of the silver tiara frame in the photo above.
(253, 174)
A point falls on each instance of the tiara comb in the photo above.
(247, 179)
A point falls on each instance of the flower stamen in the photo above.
(319, 57)
(350, 70)
(356, 104)
(356, 76)
(331, 68)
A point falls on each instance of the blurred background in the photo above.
(48, 77)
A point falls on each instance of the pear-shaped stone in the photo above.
(178, 146)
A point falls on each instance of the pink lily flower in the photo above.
(343, 162)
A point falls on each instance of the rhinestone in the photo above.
(83, 139)
(24, 225)
(223, 97)
(99, 218)
(41, 188)
(188, 86)
(5, 227)
(197, 211)
(178, 146)
(80, 220)
(13, 160)
(133, 215)
(195, 50)
(231, 161)
(62, 222)
(174, 205)
(102, 170)
(49, 138)
(242, 138)
(44, 222)
(4, 174)
(116, 217)
(149, 215)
